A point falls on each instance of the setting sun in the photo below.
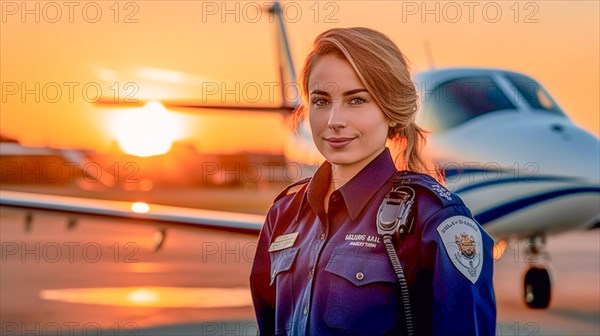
(146, 131)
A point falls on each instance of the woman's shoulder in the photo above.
(289, 198)
(292, 188)
(286, 205)
(433, 202)
(428, 188)
(438, 208)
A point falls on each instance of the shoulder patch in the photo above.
(462, 240)
(285, 191)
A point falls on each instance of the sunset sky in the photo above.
(176, 49)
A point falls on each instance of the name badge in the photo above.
(283, 242)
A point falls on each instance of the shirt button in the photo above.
(306, 310)
(360, 276)
(335, 198)
(311, 272)
(322, 236)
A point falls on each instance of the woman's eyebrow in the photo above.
(353, 91)
(347, 93)
(319, 92)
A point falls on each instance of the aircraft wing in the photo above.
(196, 106)
(218, 220)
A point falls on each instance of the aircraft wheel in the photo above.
(537, 288)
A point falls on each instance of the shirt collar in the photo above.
(318, 187)
(359, 190)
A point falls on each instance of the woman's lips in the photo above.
(338, 142)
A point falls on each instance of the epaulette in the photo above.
(427, 182)
(285, 191)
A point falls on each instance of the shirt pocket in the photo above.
(363, 296)
(282, 278)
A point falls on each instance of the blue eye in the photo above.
(357, 100)
(319, 101)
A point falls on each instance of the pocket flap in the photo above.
(361, 268)
(282, 261)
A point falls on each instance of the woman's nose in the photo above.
(336, 117)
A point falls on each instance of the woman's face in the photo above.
(347, 125)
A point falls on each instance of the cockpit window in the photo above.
(534, 94)
(454, 102)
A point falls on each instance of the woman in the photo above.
(321, 265)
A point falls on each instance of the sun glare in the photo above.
(140, 207)
(146, 131)
(143, 297)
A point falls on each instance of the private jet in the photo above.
(505, 146)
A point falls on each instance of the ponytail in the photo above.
(409, 142)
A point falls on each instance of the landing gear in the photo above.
(537, 286)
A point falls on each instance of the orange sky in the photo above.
(175, 47)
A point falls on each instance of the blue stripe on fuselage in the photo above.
(514, 206)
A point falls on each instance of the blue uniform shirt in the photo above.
(318, 273)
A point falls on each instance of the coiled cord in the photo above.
(389, 246)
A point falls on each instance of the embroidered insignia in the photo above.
(466, 245)
(463, 243)
(442, 191)
(283, 242)
(363, 240)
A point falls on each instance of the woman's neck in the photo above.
(341, 174)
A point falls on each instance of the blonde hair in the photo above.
(384, 71)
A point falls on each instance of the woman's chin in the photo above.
(340, 159)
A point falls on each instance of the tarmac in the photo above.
(92, 276)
